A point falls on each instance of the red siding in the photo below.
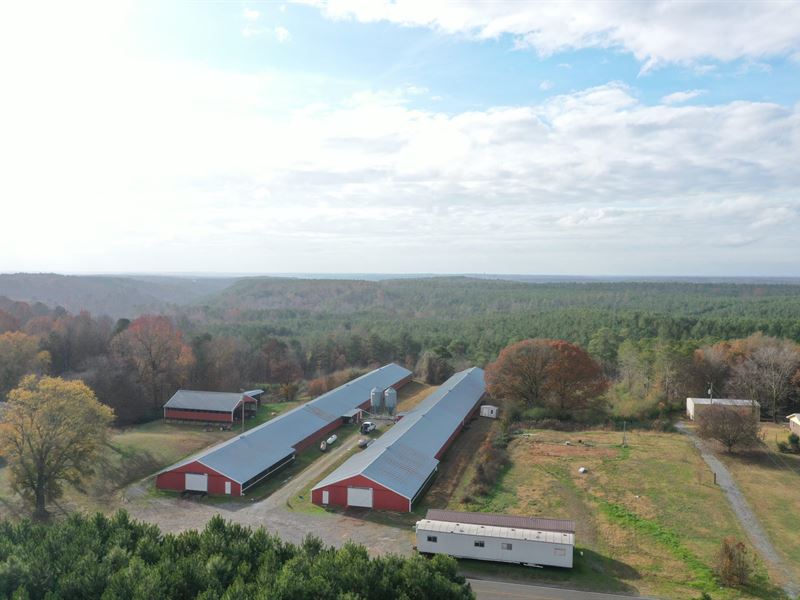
(192, 415)
(382, 498)
(175, 479)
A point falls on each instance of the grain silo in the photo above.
(375, 400)
(390, 399)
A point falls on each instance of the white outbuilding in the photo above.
(497, 538)
(694, 406)
(487, 410)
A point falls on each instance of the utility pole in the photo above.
(243, 403)
(624, 434)
(711, 392)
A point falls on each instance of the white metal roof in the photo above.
(199, 400)
(404, 457)
(724, 401)
(243, 457)
(489, 531)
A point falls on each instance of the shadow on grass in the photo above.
(120, 467)
(590, 571)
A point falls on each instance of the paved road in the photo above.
(745, 514)
(499, 590)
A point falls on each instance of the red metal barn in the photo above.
(234, 466)
(392, 473)
(208, 407)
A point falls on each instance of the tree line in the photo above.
(117, 558)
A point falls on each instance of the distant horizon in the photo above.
(377, 276)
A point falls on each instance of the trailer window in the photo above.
(432, 538)
(479, 543)
(505, 546)
(560, 551)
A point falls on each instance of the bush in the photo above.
(784, 447)
(794, 441)
(733, 562)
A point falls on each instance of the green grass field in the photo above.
(649, 517)
(770, 481)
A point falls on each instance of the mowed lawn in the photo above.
(649, 517)
(770, 481)
(134, 453)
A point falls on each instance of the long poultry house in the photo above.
(233, 466)
(392, 473)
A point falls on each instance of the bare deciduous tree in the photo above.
(730, 427)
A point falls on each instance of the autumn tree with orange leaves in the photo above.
(549, 373)
(155, 348)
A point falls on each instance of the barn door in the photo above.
(359, 497)
(196, 482)
(325, 496)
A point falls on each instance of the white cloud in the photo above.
(251, 14)
(158, 166)
(282, 34)
(655, 32)
(680, 97)
(546, 85)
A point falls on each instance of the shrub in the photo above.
(794, 441)
(784, 447)
(733, 562)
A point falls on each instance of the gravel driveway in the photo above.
(745, 515)
(175, 515)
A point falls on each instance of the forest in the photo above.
(118, 558)
(655, 341)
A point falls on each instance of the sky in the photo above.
(367, 136)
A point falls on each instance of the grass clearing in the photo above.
(770, 481)
(649, 518)
(134, 453)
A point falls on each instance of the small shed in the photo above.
(487, 410)
(794, 423)
(207, 407)
(695, 406)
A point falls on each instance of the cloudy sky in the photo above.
(409, 136)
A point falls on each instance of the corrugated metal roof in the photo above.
(245, 456)
(404, 457)
(197, 400)
(492, 519)
(488, 531)
(725, 401)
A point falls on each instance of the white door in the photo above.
(359, 497)
(197, 482)
(325, 497)
(228, 487)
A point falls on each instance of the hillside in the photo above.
(115, 296)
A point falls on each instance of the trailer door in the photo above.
(359, 497)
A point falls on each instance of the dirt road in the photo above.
(272, 513)
(745, 514)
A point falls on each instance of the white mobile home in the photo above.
(518, 545)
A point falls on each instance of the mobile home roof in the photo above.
(488, 531)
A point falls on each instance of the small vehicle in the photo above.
(332, 439)
(363, 443)
(367, 427)
(323, 446)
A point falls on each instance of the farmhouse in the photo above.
(694, 406)
(239, 463)
(501, 538)
(794, 423)
(394, 471)
(216, 407)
